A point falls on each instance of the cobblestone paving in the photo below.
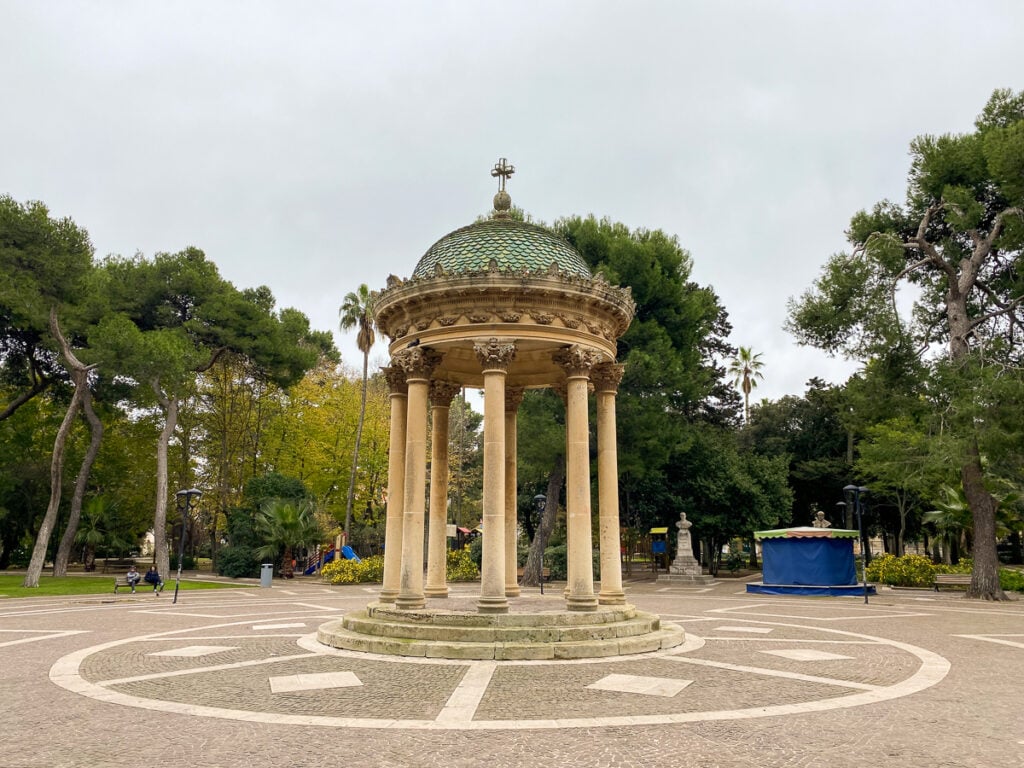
(772, 681)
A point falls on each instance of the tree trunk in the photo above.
(35, 566)
(170, 407)
(753, 554)
(60, 562)
(532, 573)
(355, 455)
(985, 577)
(77, 370)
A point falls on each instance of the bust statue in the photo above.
(820, 521)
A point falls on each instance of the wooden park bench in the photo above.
(122, 582)
(544, 572)
(952, 580)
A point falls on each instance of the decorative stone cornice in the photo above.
(578, 360)
(513, 398)
(442, 392)
(607, 376)
(495, 355)
(417, 363)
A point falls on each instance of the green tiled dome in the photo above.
(514, 245)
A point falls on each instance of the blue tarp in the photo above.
(808, 561)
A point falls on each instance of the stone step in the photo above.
(362, 623)
(519, 618)
(337, 636)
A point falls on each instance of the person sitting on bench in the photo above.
(133, 576)
(153, 577)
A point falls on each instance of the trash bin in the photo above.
(266, 574)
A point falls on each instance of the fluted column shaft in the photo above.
(513, 398)
(495, 358)
(577, 362)
(396, 484)
(606, 379)
(441, 394)
(418, 364)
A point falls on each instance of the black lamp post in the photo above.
(540, 501)
(854, 499)
(187, 501)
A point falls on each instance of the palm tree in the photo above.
(357, 310)
(746, 370)
(92, 530)
(287, 524)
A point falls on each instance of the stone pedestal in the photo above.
(685, 568)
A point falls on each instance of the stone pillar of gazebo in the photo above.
(441, 394)
(513, 399)
(396, 484)
(495, 357)
(606, 378)
(577, 361)
(418, 364)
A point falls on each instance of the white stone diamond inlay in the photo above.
(313, 682)
(751, 630)
(649, 686)
(192, 651)
(806, 654)
(278, 626)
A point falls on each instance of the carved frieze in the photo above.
(509, 317)
(479, 317)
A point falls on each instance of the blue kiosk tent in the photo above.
(808, 561)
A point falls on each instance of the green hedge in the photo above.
(918, 571)
(371, 569)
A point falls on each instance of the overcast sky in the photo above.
(315, 146)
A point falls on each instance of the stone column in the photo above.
(513, 398)
(495, 357)
(441, 394)
(396, 484)
(577, 362)
(606, 378)
(418, 364)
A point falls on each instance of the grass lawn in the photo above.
(10, 586)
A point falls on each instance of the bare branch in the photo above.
(213, 359)
(1004, 310)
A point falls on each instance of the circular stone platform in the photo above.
(534, 629)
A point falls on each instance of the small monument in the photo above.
(820, 521)
(685, 567)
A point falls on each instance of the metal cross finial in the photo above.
(502, 170)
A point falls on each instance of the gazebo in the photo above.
(501, 305)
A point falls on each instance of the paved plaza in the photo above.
(231, 678)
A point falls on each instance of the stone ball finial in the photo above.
(502, 204)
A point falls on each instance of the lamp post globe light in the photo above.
(855, 500)
(187, 500)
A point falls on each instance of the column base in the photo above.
(578, 603)
(512, 591)
(410, 602)
(492, 605)
(611, 598)
(387, 595)
(436, 591)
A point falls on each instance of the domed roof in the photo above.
(514, 245)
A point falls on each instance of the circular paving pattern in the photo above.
(278, 673)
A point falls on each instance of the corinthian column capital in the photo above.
(417, 363)
(442, 392)
(578, 360)
(395, 377)
(607, 376)
(494, 354)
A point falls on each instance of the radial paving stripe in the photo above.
(806, 654)
(373, 680)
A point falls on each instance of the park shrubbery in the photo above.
(371, 569)
(918, 571)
